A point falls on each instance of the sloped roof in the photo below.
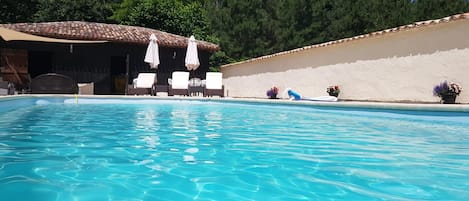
(11, 35)
(415, 25)
(78, 30)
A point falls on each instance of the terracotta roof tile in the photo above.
(78, 30)
(369, 35)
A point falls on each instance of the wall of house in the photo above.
(92, 62)
(400, 66)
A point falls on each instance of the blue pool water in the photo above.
(192, 150)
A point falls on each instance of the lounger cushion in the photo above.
(145, 80)
(213, 80)
(180, 80)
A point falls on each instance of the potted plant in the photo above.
(447, 92)
(272, 92)
(333, 90)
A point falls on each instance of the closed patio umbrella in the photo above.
(192, 57)
(152, 55)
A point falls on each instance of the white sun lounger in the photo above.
(214, 84)
(179, 84)
(143, 84)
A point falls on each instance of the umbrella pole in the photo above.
(127, 64)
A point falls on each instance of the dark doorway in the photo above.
(39, 63)
(118, 75)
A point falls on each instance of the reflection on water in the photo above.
(151, 141)
(145, 120)
(185, 131)
(214, 120)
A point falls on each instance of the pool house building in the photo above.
(91, 52)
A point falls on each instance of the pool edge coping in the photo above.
(346, 104)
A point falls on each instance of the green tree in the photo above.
(431, 9)
(13, 11)
(79, 10)
(174, 16)
(246, 28)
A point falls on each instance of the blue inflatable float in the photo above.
(296, 96)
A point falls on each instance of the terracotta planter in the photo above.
(448, 99)
(333, 94)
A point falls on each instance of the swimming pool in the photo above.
(149, 149)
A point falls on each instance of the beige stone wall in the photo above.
(400, 66)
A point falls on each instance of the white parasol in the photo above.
(192, 57)
(152, 55)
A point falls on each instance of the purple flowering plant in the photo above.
(272, 92)
(445, 88)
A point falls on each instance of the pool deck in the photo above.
(345, 104)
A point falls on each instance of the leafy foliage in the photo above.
(73, 10)
(173, 16)
(12, 11)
